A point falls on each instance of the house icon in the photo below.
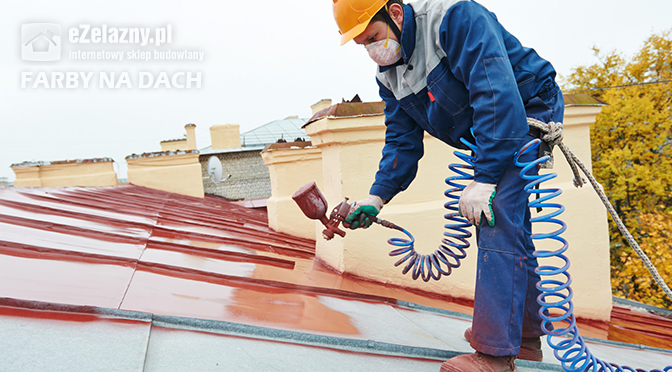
(40, 42)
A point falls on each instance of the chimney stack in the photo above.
(191, 136)
(225, 136)
(324, 103)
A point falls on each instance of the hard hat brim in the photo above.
(354, 32)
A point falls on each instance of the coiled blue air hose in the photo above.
(454, 243)
(556, 294)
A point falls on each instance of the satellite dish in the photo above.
(215, 169)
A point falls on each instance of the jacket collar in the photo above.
(407, 38)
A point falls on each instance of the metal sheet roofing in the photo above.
(129, 278)
(287, 129)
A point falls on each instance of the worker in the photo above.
(449, 68)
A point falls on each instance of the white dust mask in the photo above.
(384, 52)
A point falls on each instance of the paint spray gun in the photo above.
(314, 206)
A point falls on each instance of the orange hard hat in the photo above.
(352, 16)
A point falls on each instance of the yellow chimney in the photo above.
(324, 103)
(225, 136)
(191, 136)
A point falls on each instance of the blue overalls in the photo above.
(462, 71)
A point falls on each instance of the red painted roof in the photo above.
(133, 248)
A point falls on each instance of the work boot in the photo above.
(530, 348)
(479, 362)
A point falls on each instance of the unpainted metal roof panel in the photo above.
(39, 341)
(287, 129)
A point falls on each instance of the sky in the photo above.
(253, 62)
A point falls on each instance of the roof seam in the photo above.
(237, 329)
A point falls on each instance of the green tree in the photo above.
(632, 154)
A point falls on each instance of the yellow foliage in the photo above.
(632, 156)
(634, 280)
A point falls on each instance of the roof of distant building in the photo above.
(184, 137)
(74, 161)
(160, 153)
(209, 151)
(175, 139)
(288, 129)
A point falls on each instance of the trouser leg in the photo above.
(505, 300)
(503, 277)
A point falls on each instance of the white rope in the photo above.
(553, 136)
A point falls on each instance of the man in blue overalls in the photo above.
(449, 68)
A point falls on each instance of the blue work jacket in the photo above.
(461, 70)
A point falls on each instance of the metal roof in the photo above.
(287, 129)
(126, 278)
(209, 151)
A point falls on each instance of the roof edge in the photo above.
(580, 99)
(348, 110)
(160, 153)
(74, 161)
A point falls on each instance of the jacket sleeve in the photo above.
(472, 38)
(402, 151)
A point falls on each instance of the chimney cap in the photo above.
(322, 100)
(190, 125)
(349, 110)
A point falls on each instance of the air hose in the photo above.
(556, 294)
(425, 265)
(453, 245)
(555, 130)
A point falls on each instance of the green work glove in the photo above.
(476, 199)
(363, 212)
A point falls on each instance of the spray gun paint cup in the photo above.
(314, 206)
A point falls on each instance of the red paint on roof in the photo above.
(641, 327)
(133, 248)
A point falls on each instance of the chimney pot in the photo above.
(321, 105)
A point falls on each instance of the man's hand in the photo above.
(476, 199)
(363, 212)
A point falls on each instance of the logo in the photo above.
(40, 42)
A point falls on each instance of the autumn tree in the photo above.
(632, 157)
